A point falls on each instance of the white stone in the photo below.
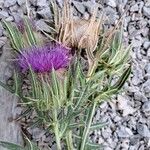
(9, 3)
(112, 3)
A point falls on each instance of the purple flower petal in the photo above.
(43, 59)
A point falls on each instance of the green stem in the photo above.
(56, 130)
(87, 129)
(69, 141)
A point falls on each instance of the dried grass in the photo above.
(74, 32)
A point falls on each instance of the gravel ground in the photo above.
(129, 113)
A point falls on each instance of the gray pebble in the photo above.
(9, 3)
(1, 30)
(138, 96)
(134, 8)
(111, 3)
(146, 11)
(2, 41)
(146, 44)
(79, 6)
(146, 87)
(142, 147)
(124, 132)
(146, 106)
(3, 14)
(21, 2)
(42, 3)
(134, 140)
(41, 25)
(106, 133)
(45, 13)
(143, 130)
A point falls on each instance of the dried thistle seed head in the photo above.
(85, 34)
(74, 32)
(43, 59)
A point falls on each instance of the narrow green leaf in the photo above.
(98, 125)
(30, 34)
(76, 125)
(11, 146)
(93, 146)
(15, 36)
(7, 88)
(122, 79)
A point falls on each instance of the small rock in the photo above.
(40, 24)
(9, 3)
(117, 119)
(134, 8)
(79, 6)
(2, 41)
(134, 140)
(146, 106)
(54, 147)
(45, 13)
(146, 87)
(139, 96)
(33, 2)
(111, 3)
(146, 44)
(146, 11)
(108, 148)
(142, 147)
(106, 133)
(111, 16)
(60, 2)
(10, 18)
(125, 144)
(124, 132)
(1, 3)
(3, 14)
(143, 130)
(21, 2)
(104, 106)
(145, 31)
(147, 68)
(36, 132)
(1, 30)
(148, 52)
(41, 3)
(124, 106)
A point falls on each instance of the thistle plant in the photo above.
(65, 92)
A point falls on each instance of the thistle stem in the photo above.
(56, 130)
(87, 129)
(69, 141)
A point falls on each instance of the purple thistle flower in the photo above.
(43, 59)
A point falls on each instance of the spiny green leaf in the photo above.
(98, 125)
(6, 87)
(11, 146)
(93, 146)
(15, 36)
(30, 34)
(122, 79)
(76, 125)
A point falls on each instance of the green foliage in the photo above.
(66, 104)
(15, 36)
(11, 146)
(20, 40)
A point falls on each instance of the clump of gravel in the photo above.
(128, 114)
